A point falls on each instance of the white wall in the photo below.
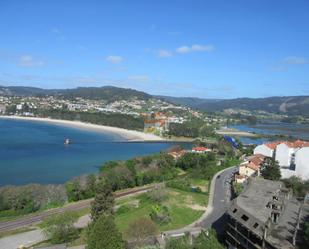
(264, 150)
(284, 154)
(302, 163)
(287, 173)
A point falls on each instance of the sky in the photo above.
(207, 49)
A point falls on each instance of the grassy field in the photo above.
(184, 208)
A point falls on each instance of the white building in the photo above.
(266, 149)
(284, 154)
(293, 157)
(302, 162)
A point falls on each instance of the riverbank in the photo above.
(129, 135)
(235, 132)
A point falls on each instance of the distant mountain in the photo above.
(188, 101)
(108, 93)
(298, 105)
(25, 91)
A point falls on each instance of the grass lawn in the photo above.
(184, 208)
(201, 183)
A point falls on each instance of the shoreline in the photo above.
(128, 135)
(235, 132)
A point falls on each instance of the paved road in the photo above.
(26, 239)
(221, 199)
(36, 218)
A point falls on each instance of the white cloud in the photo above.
(56, 31)
(115, 59)
(294, 60)
(183, 50)
(29, 61)
(163, 53)
(139, 78)
(195, 48)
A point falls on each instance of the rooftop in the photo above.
(256, 206)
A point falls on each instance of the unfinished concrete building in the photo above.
(265, 215)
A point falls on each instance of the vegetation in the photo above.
(19, 200)
(193, 128)
(299, 186)
(139, 230)
(306, 235)
(104, 234)
(238, 188)
(206, 240)
(139, 171)
(103, 202)
(80, 188)
(59, 228)
(182, 208)
(271, 170)
(109, 119)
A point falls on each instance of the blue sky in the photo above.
(208, 49)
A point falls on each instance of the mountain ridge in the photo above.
(293, 105)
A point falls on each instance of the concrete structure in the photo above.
(265, 216)
(293, 157)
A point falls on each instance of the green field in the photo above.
(184, 208)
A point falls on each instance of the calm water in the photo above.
(34, 152)
(300, 131)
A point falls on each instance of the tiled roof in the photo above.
(273, 145)
(200, 148)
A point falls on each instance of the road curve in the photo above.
(36, 218)
(219, 198)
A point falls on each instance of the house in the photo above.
(292, 157)
(265, 216)
(177, 154)
(200, 150)
(302, 162)
(153, 125)
(249, 168)
(266, 149)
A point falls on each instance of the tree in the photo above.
(74, 190)
(271, 169)
(141, 229)
(90, 185)
(104, 234)
(207, 131)
(103, 202)
(60, 229)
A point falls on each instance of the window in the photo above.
(255, 225)
(245, 217)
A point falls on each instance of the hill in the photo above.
(108, 93)
(292, 105)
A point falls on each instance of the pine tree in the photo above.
(103, 202)
(104, 234)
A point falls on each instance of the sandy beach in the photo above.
(234, 132)
(128, 135)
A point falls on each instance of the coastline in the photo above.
(129, 135)
(235, 132)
